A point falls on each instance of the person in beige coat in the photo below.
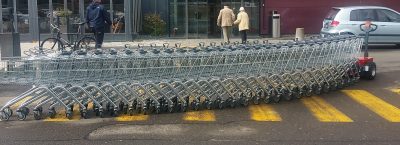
(243, 22)
(225, 19)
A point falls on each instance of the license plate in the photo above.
(366, 68)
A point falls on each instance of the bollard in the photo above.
(276, 26)
(299, 34)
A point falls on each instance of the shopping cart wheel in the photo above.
(221, 105)
(296, 93)
(84, 115)
(4, 116)
(8, 111)
(256, 100)
(157, 109)
(183, 107)
(114, 113)
(101, 113)
(209, 105)
(245, 102)
(69, 115)
(52, 113)
(277, 98)
(21, 115)
(232, 103)
(268, 100)
(325, 87)
(37, 114)
(340, 83)
(286, 95)
(145, 111)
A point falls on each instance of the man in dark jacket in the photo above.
(98, 19)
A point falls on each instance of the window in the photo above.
(362, 15)
(387, 16)
(332, 14)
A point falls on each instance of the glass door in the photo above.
(197, 18)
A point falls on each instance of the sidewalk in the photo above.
(185, 43)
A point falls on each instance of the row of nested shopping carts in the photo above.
(172, 79)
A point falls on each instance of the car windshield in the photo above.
(332, 14)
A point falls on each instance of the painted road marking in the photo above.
(204, 115)
(264, 113)
(324, 111)
(135, 117)
(397, 91)
(375, 104)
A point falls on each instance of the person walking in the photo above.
(225, 20)
(97, 19)
(243, 22)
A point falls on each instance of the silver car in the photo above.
(347, 20)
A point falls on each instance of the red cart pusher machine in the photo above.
(366, 64)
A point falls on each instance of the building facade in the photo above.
(183, 18)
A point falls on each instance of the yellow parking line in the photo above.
(397, 91)
(264, 113)
(136, 117)
(324, 111)
(205, 115)
(375, 104)
(60, 117)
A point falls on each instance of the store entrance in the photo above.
(198, 18)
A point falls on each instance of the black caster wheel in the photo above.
(256, 100)
(171, 109)
(145, 111)
(4, 116)
(221, 105)
(69, 115)
(268, 99)
(84, 115)
(8, 111)
(245, 102)
(277, 99)
(21, 116)
(287, 96)
(325, 88)
(209, 105)
(101, 113)
(195, 106)
(114, 113)
(183, 107)
(37, 114)
(232, 103)
(52, 113)
(157, 110)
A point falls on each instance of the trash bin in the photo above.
(276, 25)
(10, 45)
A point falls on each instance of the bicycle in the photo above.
(86, 42)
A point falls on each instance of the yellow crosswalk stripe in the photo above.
(204, 115)
(264, 113)
(397, 91)
(136, 117)
(324, 111)
(375, 104)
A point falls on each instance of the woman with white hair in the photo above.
(243, 22)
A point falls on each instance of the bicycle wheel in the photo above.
(88, 43)
(52, 43)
